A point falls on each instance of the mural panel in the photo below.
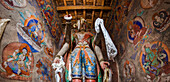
(129, 71)
(50, 18)
(160, 20)
(17, 61)
(11, 4)
(31, 31)
(136, 30)
(44, 69)
(154, 59)
(148, 3)
(121, 49)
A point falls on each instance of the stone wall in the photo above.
(29, 40)
(140, 30)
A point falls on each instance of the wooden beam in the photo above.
(111, 3)
(84, 11)
(65, 4)
(57, 3)
(94, 3)
(92, 19)
(75, 12)
(61, 8)
(101, 12)
(84, 2)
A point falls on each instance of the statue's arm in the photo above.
(97, 48)
(63, 50)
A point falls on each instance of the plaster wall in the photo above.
(134, 27)
(29, 41)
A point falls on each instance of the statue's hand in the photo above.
(104, 64)
(57, 60)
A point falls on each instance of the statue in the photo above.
(81, 63)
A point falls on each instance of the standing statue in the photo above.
(81, 62)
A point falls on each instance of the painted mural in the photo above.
(44, 69)
(160, 20)
(148, 3)
(49, 52)
(136, 29)
(50, 18)
(11, 4)
(154, 59)
(120, 11)
(121, 49)
(31, 31)
(17, 61)
(145, 37)
(129, 71)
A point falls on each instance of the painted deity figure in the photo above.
(82, 62)
(19, 63)
(153, 60)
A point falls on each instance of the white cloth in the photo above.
(111, 49)
(59, 68)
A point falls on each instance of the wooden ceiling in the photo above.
(88, 9)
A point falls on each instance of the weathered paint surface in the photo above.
(147, 23)
(11, 4)
(26, 46)
(17, 61)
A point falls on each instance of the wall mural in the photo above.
(44, 69)
(154, 59)
(119, 13)
(49, 16)
(160, 20)
(148, 3)
(31, 31)
(134, 55)
(49, 52)
(140, 12)
(17, 61)
(145, 37)
(121, 49)
(11, 4)
(136, 29)
(129, 71)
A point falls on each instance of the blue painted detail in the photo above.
(134, 55)
(21, 39)
(138, 23)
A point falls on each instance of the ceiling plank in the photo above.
(61, 8)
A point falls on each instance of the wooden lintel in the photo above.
(60, 8)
